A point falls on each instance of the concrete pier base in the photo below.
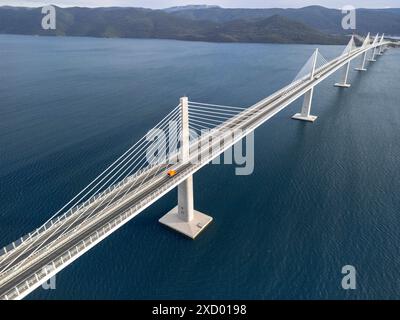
(299, 116)
(190, 229)
(360, 69)
(372, 60)
(342, 85)
(305, 115)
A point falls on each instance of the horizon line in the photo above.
(183, 6)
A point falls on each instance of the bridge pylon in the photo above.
(183, 218)
(364, 61)
(372, 59)
(305, 114)
(343, 83)
(381, 48)
(364, 57)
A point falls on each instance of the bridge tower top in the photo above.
(375, 39)
(185, 141)
(314, 63)
(367, 40)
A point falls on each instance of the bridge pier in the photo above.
(183, 218)
(305, 115)
(364, 60)
(344, 83)
(372, 59)
(380, 51)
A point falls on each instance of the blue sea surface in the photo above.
(322, 195)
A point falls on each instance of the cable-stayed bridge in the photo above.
(197, 134)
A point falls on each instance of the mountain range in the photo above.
(318, 17)
(313, 25)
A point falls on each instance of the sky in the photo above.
(224, 3)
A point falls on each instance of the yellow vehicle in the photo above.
(171, 173)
